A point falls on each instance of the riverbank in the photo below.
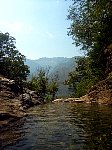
(14, 102)
(100, 93)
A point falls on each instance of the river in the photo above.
(61, 126)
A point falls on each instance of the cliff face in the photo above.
(100, 93)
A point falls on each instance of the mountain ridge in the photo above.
(60, 66)
(48, 62)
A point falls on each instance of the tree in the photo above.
(53, 88)
(44, 85)
(81, 79)
(11, 60)
(91, 29)
(39, 82)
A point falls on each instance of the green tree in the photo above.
(53, 88)
(11, 60)
(44, 85)
(81, 80)
(72, 80)
(39, 82)
(91, 29)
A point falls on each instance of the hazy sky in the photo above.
(39, 26)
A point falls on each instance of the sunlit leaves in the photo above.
(91, 28)
(11, 60)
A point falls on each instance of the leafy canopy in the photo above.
(91, 20)
(91, 28)
(11, 60)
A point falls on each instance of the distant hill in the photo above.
(33, 65)
(60, 66)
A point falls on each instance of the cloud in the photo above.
(15, 27)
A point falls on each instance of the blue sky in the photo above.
(39, 26)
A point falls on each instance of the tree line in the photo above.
(91, 29)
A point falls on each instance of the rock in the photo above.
(85, 98)
(13, 102)
(26, 101)
(58, 100)
(30, 98)
(11, 90)
(101, 93)
(70, 100)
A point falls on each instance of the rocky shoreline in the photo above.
(14, 102)
(101, 93)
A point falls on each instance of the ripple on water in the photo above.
(63, 126)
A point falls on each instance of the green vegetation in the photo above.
(11, 60)
(58, 66)
(82, 78)
(12, 66)
(91, 29)
(43, 85)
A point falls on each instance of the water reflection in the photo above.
(65, 126)
(97, 122)
(10, 134)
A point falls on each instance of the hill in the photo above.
(60, 66)
(52, 63)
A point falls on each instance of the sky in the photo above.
(39, 26)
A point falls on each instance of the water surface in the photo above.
(62, 126)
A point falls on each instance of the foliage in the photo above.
(91, 29)
(81, 79)
(43, 87)
(59, 70)
(39, 82)
(11, 60)
(53, 88)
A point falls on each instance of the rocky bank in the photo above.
(100, 93)
(14, 101)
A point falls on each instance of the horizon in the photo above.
(52, 57)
